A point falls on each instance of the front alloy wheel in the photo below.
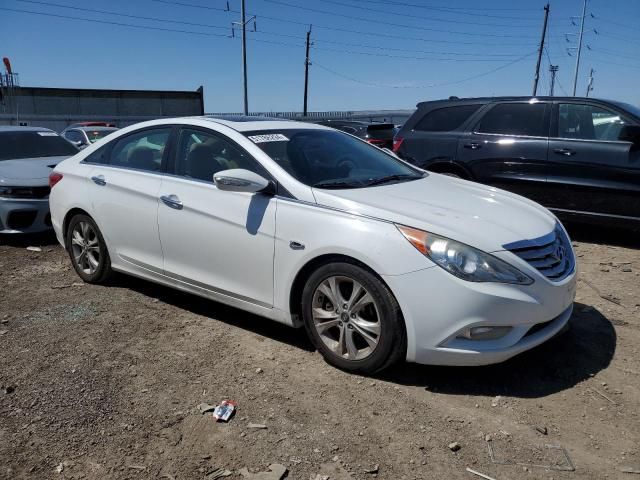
(346, 318)
(352, 318)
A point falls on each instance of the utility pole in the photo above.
(306, 72)
(243, 24)
(590, 84)
(553, 69)
(540, 50)
(575, 74)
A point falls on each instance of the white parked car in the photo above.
(309, 226)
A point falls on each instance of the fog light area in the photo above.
(484, 333)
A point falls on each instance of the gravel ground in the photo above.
(104, 382)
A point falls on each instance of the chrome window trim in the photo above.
(510, 135)
(120, 167)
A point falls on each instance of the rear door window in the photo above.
(446, 119)
(142, 150)
(525, 119)
(588, 122)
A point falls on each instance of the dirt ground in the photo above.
(104, 382)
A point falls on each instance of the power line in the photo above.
(455, 82)
(372, 54)
(120, 24)
(399, 25)
(456, 10)
(348, 30)
(120, 14)
(430, 18)
(619, 24)
(266, 32)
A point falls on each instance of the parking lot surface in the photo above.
(104, 382)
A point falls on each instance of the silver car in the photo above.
(27, 156)
(83, 136)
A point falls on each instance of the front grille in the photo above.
(551, 254)
(19, 220)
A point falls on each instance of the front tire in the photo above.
(88, 250)
(353, 319)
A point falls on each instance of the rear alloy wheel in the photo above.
(353, 319)
(87, 250)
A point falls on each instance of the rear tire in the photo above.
(353, 319)
(88, 250)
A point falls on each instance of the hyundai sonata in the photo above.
(299, 223)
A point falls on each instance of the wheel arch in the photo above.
(67, 218)
(303, 274)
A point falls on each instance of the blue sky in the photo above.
(367, 54)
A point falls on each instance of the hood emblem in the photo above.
(559, 253)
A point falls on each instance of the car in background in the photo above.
(378, 134)
(378, 260)
(27, 157)
(83, 136)
(579, 157)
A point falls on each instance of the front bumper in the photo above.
(437, 306)
(24, 215)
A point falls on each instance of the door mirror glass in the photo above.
(241, 180)
(630, 133)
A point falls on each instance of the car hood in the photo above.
(483, 217)
(27, 171)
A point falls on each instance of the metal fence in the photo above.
(392, 116)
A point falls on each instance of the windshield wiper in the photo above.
(392, 178)
(339, 184)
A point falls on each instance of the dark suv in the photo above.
(580, 157)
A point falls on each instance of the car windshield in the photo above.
(332, 159)
(15, 145)
(95, 135)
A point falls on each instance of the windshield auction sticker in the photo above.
(47, 134)
(274, 137)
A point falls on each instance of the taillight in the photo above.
(54, 178)
(375, 141)
(396, 143)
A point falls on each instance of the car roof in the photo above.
(512, 99)
(16, 128)
(94, 129)
(243, 123)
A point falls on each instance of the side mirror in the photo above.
(79, 143)
(630, 133)
(241, 180)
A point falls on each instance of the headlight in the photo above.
(463, 261)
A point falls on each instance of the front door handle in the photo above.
(172, 201)
(564, 151)
(472, 145)
(99, 180)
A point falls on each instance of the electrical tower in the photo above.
(540, 50)
(553, 69)
(590, 84)
(8, 99)
(307, 62)
(575, 75)
(243, 25)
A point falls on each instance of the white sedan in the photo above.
(309, 226)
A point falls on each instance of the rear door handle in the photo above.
(172, 201)
(564, 151)
(472, 145)
(99, 180)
